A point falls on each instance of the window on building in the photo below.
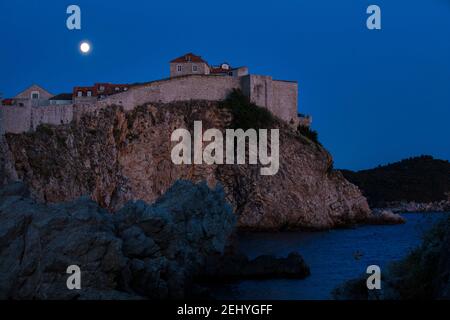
(194, 68)
(80, 93)
(102, 88)
(179, 68)
(116, 88)
(125, 89)
(35, 95)
(89, 93)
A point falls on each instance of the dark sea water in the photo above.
(330, 255)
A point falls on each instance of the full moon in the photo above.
(85, 47)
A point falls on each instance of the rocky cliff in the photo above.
(116, 156)
(150, 251)
(7, 170)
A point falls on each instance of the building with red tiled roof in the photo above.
(223, 69)
(188, 57)
(226, 70)
(34, 95)
(8, 102)
(192, 64)
(98, 91)
(188, 64)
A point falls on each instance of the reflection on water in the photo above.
(333, 256)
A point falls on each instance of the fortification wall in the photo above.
(259, 89)
(199, 88)
(280, 97)
(53, 114)
(194, 87)
(17, 119)
(284, 100)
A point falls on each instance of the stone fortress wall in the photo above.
(18, 119)
(280, 97)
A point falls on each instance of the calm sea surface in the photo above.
(330, 255)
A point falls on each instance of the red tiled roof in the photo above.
(219, 70)
(101, 89)
(8, 102)
(188, 57)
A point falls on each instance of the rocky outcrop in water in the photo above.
(384, 216)
(402, 206)
(150, 251)
(117, 156)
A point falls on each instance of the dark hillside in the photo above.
(419, 179)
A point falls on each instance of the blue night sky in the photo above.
(375, 96)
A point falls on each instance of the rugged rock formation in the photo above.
(402, 206)
(116, 156)
(7, 171)
(143, 250)
(386, 217)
